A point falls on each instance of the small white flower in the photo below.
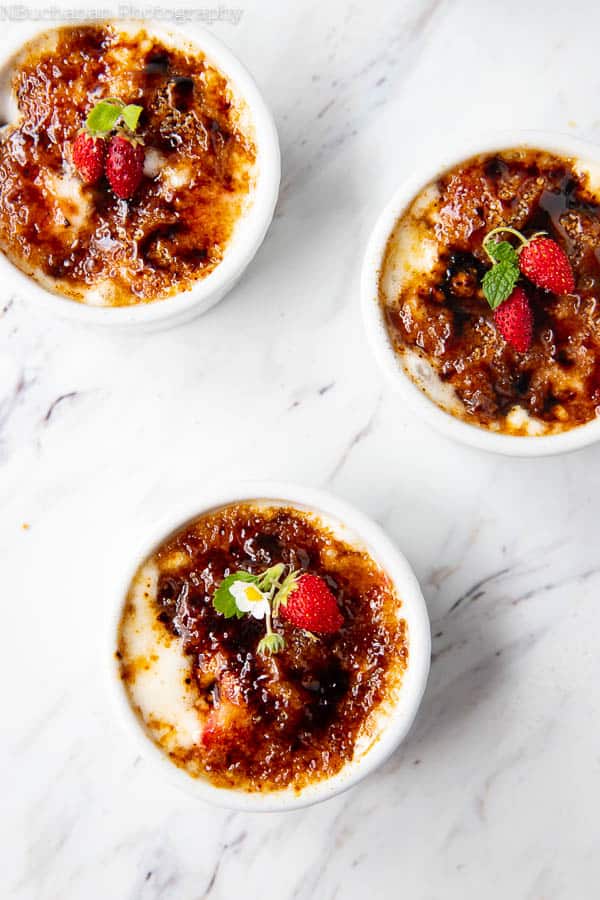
(249, 599)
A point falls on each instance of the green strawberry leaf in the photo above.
(498, 283)
(271, 643)
(131, 115)
(223, 599)
(103, 117)
(502, 251)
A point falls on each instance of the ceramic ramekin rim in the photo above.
(250, 231)
(397, 720)
(376, 330)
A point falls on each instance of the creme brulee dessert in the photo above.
(490, 287)
(260, 650)
(126, 168)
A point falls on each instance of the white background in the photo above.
(495, 793)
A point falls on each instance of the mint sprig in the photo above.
(502, 251)
(106, 115)
(103, 117)
(131, 115)
(498, 282)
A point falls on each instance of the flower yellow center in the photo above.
(253, 594)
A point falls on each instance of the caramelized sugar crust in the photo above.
(295, 717)
(441, 313)
(200, 155)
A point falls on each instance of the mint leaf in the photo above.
(271, 643)
(103, 117)
(502, 251)
(498, 283)
(223, 599)
(131, 115)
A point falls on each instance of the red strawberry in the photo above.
(89, 153)
(124, 166)
(514, 320)
(547, 265)
(312, 606)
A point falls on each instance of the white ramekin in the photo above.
(416, 399)
(250, 230)
(356, 528)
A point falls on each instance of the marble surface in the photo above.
(494, 794)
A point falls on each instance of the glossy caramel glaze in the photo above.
(441, 315)
(82, 241)
(295, 717)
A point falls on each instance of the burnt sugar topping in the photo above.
(286, 643)
(490, 288)
(126, 169)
